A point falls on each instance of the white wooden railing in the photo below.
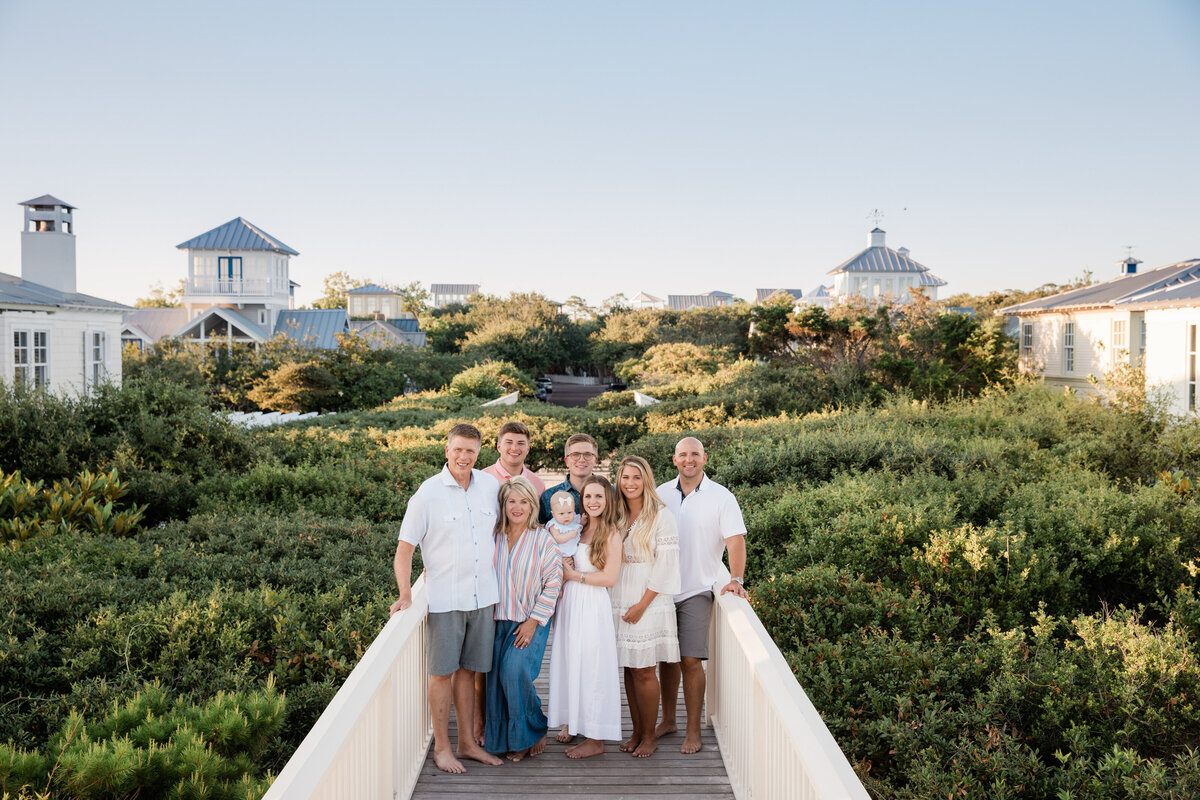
(772, 739)
(230, 285)
(372, 739)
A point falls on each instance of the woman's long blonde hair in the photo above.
(521, 486)
(605, 524)
(640, 530)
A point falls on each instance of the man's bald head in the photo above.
(690, 459)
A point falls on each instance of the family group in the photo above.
(624, 574)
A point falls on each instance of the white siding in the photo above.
(1167, 352)
(1093, 333)
(68, 357)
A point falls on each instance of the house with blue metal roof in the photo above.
(238, 290)
(881, 273)
(56, 338)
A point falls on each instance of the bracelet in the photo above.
(583, 577)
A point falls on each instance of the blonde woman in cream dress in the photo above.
(643, 597)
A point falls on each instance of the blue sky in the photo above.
(594, 148)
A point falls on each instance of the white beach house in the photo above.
(1140, 317)
(57, 338)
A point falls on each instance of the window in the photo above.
(1069, 347)
(229, 270)
(31, 358)
(1191, 368)
(1143, 337)
(41, 358)
(1027, 339)
(96, 370)
(262, 317)
(1119, 342)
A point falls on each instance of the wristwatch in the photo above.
(739, 580)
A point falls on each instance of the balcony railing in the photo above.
(231, 286)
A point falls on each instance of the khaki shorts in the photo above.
(461, 640)
(694, 616)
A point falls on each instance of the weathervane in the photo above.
(1129, 250)
(875, 216)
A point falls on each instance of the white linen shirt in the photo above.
(706, 518)
(454, 529)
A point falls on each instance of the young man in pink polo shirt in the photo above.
(513, 445)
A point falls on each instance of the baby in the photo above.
(565, 526)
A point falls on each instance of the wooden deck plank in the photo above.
(611, 776)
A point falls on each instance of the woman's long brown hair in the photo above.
(605, 525)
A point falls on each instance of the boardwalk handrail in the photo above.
(371, 740)
(772, 739)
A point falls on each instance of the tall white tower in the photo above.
(48, 243)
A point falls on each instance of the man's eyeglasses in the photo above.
(581, 456)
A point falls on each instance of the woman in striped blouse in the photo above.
(529, 576)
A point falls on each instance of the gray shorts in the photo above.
(694, 615)
(461, 640)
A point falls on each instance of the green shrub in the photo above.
(151, 746)
(491, 379)
(295, 386)
(85, 503)
(607, 401)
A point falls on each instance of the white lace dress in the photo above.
(654, 638)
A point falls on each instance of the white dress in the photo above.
(585, 694)
(654, 638)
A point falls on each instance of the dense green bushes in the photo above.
(993, 596)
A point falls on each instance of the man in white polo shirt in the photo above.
(452, 517)
(709, 521)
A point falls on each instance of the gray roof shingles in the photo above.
(157, 322)
(237, 234)
(878, 259)
(19, 292)
(370, 288)
(1126, 290)
(315, 328)
(453, 288)
(47, 200)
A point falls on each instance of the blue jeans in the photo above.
(515, 720)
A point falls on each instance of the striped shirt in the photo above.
(529, 577)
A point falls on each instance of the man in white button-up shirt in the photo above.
(452, 517)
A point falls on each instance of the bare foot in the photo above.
(664, 728)
(564, 736)
(446, 762)
(630, 744)
(586, 749)
(478, 732)
(538, 748)
(515, 757)
(691, 744)
(477, 753)
(646, 748)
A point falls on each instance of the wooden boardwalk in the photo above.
(610, 776)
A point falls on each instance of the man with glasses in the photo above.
(581, 455)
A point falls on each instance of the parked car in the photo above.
(616, 386)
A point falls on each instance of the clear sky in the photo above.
(599, 147)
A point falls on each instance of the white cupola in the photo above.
(48, 243)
